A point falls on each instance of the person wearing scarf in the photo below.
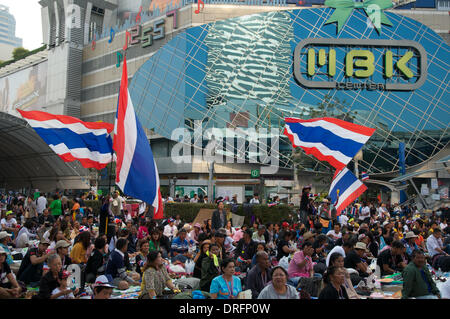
(210, 267)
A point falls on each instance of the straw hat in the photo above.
(361, 245)
(410, 234)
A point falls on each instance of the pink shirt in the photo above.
(295, 271)
(142, 232)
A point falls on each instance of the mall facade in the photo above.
(231, 71)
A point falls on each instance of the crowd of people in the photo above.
(313, 253)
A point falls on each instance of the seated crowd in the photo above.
(316, 254)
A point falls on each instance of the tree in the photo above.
(19, 52)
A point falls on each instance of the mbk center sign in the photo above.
(358, 63)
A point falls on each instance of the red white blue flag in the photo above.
(136, 171)
(364, 176)
(345, 189)
(72, 139)
(328, 139)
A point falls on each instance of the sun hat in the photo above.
(361, 245)
(308, 235)
(3, 251)
(410, 234)
(4, 234)
(198, 225)
(102, 281)
(61, 244)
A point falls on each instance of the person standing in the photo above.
(41, 204)
(56, 207)
(305, 205)
(417, 281)
(219, 217)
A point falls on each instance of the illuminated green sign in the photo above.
(400, 71)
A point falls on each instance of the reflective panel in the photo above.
(241, 73)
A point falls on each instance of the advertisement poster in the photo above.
(25, 89)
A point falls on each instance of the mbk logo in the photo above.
(359, 62)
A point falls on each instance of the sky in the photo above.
(28, 21)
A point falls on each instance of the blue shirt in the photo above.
(222, 288)
(115, 264)
(179, 246)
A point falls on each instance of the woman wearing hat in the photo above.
(9, 288)
(410, 243)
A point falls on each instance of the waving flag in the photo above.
(344, 189)
(73, 139)
(328, 139)
(364, 176)
(136, 171)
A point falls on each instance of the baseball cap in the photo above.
(61, 243)
(9, 212)
(4, 234)
(102, 281)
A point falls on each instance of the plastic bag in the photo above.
(284, 262)
(176, 268)
(189, 266)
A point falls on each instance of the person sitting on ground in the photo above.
(9, 223)
(392, 260)
(9, 288)
(258, 236)
(155, 277)
(95, 265)
(63, 287)
(170, 230)
(355, 260)
(164, 243)
(335, 233)
(278, 287)
(31, 268)
(24, 236)
(5, 238)
(52, 280)
(62, 249)
(102, 288)
(210, 267)
(283, 249)
(342, 250)
(301, 265)
(417, 280)
(337, 260)
(141, 257)
(79, 250)
(245, 250)
(180, 247)
(198, 259)
(226, 286)
(116, 268)
(260, 275)
(334, 279)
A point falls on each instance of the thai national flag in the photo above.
(344, 189)
(364, 176)
(136, 171)
(73, 139)
(328, 139)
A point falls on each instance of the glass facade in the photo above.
(240, 73)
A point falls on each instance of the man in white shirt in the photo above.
(343, 219)
(170, 230)
(342, 250)
(365, 213)
(41, 204)
(434, 244)
(255, 199)
(335, 233)
(382, 212)
(194, 199)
